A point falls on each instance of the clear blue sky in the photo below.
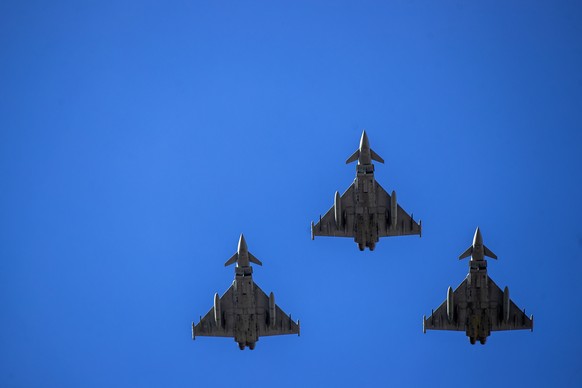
(139, 139)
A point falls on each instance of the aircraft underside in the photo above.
(366, 233)
(242, 345)
(477, 330)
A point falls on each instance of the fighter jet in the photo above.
(365, 211)
(244, 311)
(478, 306)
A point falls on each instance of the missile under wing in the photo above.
(365, 211)
(244, 311)
(478, 306)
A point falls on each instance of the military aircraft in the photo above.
(365, 211)
(478, 306)
(244, 311)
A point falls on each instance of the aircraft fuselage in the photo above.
(366, 222)
(245, 328)
(478, 326)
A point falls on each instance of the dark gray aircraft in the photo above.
(244, 312)
(365, 211)
(478, 306)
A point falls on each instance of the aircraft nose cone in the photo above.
(242, 244)
(478, 239)
(364, 140)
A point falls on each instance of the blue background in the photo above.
(139, 139)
